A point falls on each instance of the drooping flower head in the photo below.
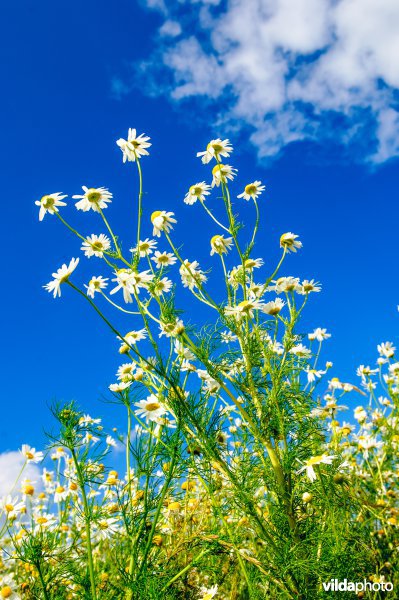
(162, 221)
(220, 244)
(96, 284)
(221, 173)
(61, 276)
(289, 241)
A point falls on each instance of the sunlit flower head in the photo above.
(220, 244)
(314, 461)
(191, 275)
(273, 307)
(120, 387)
(163, 259)
(289, 242)
(130, 282)
(11, 507)
(135, 145)
(208, 593)
(221, 173)
(150, 408)
(162, 286)
(61, 276)
(386, 349)
(162, 221)
(96, 284)
(93, 199)
(245, 308)
(145, 247)
(301, 351)
(286, 284)
(50, 203)
(96, 245)
(216, 149)
(196, 192)
(308, 287)
(30, 454)
(252, 190)
(319, 334)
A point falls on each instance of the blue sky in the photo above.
(61, 115)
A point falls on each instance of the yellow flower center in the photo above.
(152, 406)
(6, 592)
(47, 202)
(315, 460)
(219, 168)
(196, 190)
(29, 455)
(216, 147)
(93, 196)
(250, 189)
(9, 507)
(41, 520)
(29, 490)
(97, 246)
(163, 259)
(155, 214)
(60, 489)
(245, 306)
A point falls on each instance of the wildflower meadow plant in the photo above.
(239, 479)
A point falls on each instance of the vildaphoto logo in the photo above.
(334, 585)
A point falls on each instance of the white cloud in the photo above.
(11, 464)
(289, 68)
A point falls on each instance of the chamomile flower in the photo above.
(252, 190)
(145, 247)
(93, 199)
(50, 203)
(221, 173)
(125, 371)
(196, 192)
(286, 284)
(313, 374)
(289, 241)
(245, 308)
(96, 245)
(301, 351)
(135, 146)
(216, 149)
(119, 387)
(162, 286)
(30, 454)
(61, 276)
(130, 282)
(11, 506)
(309, 464)
(319, 334)
(309, 286)
(60, 494)
(386, 349)
(191, 275)
(8, 588)
(162, 221)
(132, 337)
(96, 284)
(163, 259)
(220, 244)
(150, 408)
(208, 593)
(273, 307)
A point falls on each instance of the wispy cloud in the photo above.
(289, 70)
(11, 464)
